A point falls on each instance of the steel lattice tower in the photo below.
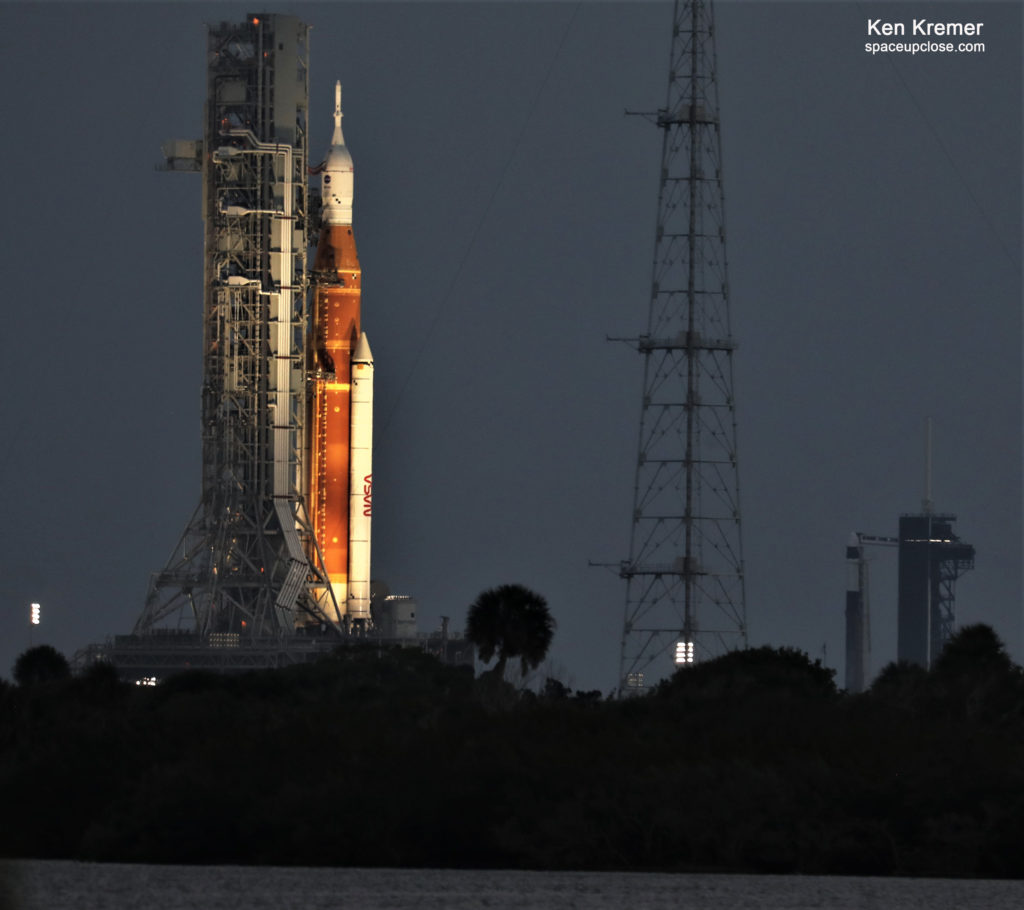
(685, 586)
(246, 566)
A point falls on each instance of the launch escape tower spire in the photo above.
(684, 575)
(246, 565)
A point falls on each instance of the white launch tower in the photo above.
(242, 569)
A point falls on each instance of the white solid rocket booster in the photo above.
(361, 483)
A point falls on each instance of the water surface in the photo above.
(62, 885)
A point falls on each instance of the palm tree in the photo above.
(510, 621)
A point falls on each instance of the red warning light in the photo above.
(255, 21)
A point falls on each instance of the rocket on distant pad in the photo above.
(341, 425)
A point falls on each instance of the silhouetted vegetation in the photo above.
(751, 762)
(510, 621)
(41, 664)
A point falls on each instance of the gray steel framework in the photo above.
(685, 587)
(242, 566)
(954, 563)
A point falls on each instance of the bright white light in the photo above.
(146, 681)
(35, 614)
(684, 652)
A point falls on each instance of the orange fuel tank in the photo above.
(335, 331)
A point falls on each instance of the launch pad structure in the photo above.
(242, 566)
(274, 565)
(931, 558)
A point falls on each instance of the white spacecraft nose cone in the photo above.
(339, 160)
(338, 173)
(362, 353)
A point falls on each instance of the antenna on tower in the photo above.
(927, 504)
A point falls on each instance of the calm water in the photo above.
(56, 885)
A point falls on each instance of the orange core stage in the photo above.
(335, 332)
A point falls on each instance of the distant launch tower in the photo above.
(280, 539)
(931, 559)
(685, 587)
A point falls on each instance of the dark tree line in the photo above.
(751, 762)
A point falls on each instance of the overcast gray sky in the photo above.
(505, 213)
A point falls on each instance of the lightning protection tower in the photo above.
(246, 566)
(684, 576)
